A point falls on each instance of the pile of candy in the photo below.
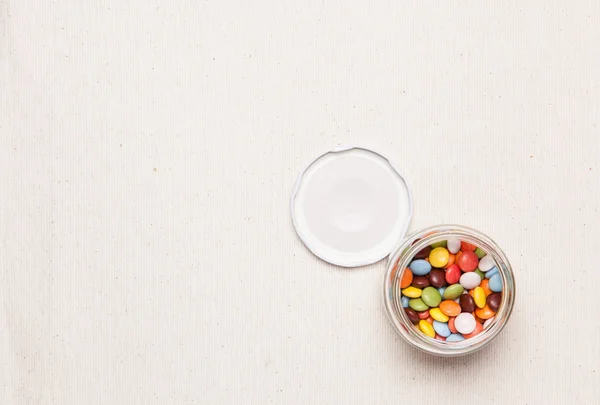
(451, 290)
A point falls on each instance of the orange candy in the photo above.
(485, 284)
(450, 308)
(484, 313)
(451, 325)
(430, 320)
(407, 278)
(451, 260)
(478, 329)
(478, 319)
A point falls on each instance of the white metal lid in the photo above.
(351, 207)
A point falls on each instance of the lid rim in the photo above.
(355, 263)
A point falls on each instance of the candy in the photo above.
(441, 328)
(455, 337)
(467, 303)
(423, 253)
(431, 296)
(412, 292)
(406, 279)
(470, 280)
(450, 308)
(454, 291)
(420, 282)
(426, 328)
(451, 290)
(485, 285)
(484, 313)
(441, 243)
(437, 278)
(453, 274)
(490, 273)
(496, 283)
(451, 325)
(453, 246)
(467, 247)
(493, 301)
(420, 267)
(476, 331)
(487, 323)
(438, 315)
(417, 304)
(486, 263)
(451, 259)
(439, 257)
(467, 261)
(465, 323)
(412, 315)
(479, 297)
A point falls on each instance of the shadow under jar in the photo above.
(401, 259)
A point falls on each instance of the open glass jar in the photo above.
(400, 260)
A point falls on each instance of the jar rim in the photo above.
(400, 259)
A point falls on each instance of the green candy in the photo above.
(480, 273)
(452, 292)
(479, 253)
(431, 296)
(418, 305)
(442, 243)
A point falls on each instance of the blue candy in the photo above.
(455, 337)
(405, 301)
(441, 328)
(441, 290)
(420, 267)
(491, 272)
(496, 283)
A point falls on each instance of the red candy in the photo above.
(453, 274)
(438, 337)
(468, 261)
(467, 247)
(423, 314)
(478, 329)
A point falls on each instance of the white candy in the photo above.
(470, 280)
(486, 263)
(488, 322)
(453, 246)
(465, 323)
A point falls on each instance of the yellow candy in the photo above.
(438, 315)
(427, 328)
(479, 297)
(412, 292)
(439, 257)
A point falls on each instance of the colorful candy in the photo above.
(451, 290)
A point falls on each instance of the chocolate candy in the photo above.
(467, 303)
(420, 282)
(438, 278)
(493, 301)
(412, 315)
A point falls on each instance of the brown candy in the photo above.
(423, 253)
(493, 301)
(412, 315)
(467, 303)
(438, 278)
(420, 282)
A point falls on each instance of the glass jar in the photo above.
(399, 261)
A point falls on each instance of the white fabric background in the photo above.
(147, 154)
